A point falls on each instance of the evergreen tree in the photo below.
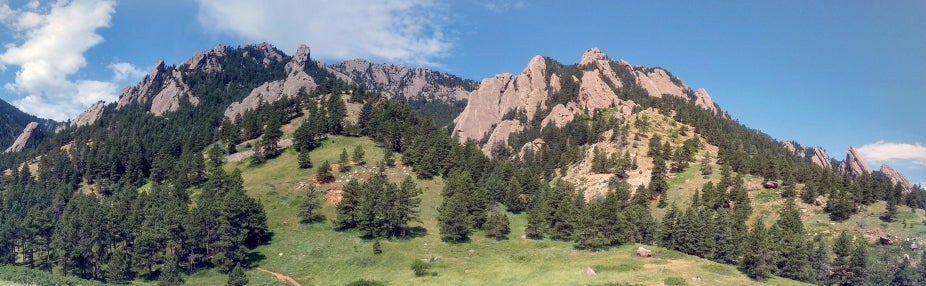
(906, 274)
(304, 160)
(789, 232)
(726, 245)
(669, 228)
(358, 156)
(237, 277)
(170, 274)
(842, 271)
(819, 263)
(377, 247)
(858, 264)
(758, 261)
(323, 174)
(309, 211)
(452, 217)
(496, 225)
(119, 268)
(344, 159)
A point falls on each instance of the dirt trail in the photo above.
(281, 277)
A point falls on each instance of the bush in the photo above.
(676, 281)
(364, 282)
(420, 268)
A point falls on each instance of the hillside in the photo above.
(202, 171)
(12, 123)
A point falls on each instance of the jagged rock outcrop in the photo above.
(561, 114)
(897, 178)
(23, 138)
(296, 80)
(795, 148)
(657, 81)
(821, 158)
(164, 89)
(393, 80)
(207, 61)
(497, 95)
(90, 116)
(703, 99)
(500, 134)
(532, 146)
(854, 165)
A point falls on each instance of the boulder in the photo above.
(885, 240)
(588, 271)
(643, 252)
(820, 201)
(770, 185)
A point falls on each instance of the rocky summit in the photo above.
(854, 165)
(897, 178)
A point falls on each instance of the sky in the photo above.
(824, 73)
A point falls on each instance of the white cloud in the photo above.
(54, 39)
(125, 71)
(884, 152)
(409, 31)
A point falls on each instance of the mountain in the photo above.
(398, 80)
(239, 156)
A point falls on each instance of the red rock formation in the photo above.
(897, 178)
(821, 158)
(855, 165)
(23, 138)
(392, 80)
(90, 116)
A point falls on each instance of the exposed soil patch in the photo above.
(281, 277)
(333, 196)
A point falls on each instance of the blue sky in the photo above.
(827, 73)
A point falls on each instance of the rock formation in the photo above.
(90, 116)
(821, 158)
(597, 81)
(23, 138)
(393, 80)
(795, 148)
(207, 61)
(854, 165)
(500, 134)
(296, 80)
(897, 178)
(497, 95)
(163, 88)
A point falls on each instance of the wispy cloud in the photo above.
(410, 31)
(884, 152)
(503, 5)
(52, 40)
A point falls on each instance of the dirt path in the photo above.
(281, 277)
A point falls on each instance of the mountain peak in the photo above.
(593, 55)
(855, 165)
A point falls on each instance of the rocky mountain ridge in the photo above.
(594, 82)
(395, 79)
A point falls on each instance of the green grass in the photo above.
(316, 254)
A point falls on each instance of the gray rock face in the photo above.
(297, 80)
(393, 80)
(23, 138)
(897, 178)
(169, 86)
(855, 165)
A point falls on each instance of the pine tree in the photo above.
(377, 247)
(858, 264)
(820, 263)
(304, 160)
(358, 156)
(496, 225)
(906, 274)
(452, 217)
(842, 271)
(119, 268)
(323, 174)
(343, 159)
(237, 277)
(669, 228)
(758, 261)
(170, 275)
(789, 232)
(309, 211)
